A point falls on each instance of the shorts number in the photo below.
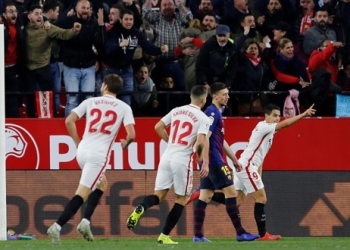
(255, 175)
(95, 124)
(179, 138)
(225, 170)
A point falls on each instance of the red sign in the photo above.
(311, 144)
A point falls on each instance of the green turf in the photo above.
(307, 243)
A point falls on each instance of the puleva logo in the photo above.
(21, 149)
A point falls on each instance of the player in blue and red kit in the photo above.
(220, 176)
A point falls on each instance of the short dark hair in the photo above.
(216, 87)
(269, 107)
(249, 42)
(113, 82)
(34, 7)
(9, 3)
(244, 16)
(198, 91)
(126, 11)
(50, 5)
(212, 15)
(117, 6)
(322, 9)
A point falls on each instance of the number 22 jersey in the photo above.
(104, 116)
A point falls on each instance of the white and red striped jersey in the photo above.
(104, 116)
(186, 122)
(259, 144)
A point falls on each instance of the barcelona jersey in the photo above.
(216, 139)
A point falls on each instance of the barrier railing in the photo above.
(181, 97)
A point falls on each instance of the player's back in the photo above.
(185, 123)
(104, 116)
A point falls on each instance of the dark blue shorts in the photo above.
(219, 177)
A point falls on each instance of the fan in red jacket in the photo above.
(324, 57)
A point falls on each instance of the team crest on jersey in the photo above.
(211, 119)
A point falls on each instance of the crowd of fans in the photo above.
(260, 49)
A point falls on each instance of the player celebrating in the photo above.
(220, 176)
(188, 126)
(248, 181)
(104, 116)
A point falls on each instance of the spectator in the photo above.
(323, 68)
(149, 61)
(14, 52)
(288, 70)
(274, 12)
(51, 10)
(131, 5)
(121, 45)
(167, 26)
(209, 23)
(38, 53)
(283, 30)
(191, 41)
(314, 36)
(304, 20)
(324, 57)
(113, 18)
(249, 20)
(79, 60)
(218, 56)
(234, 12)
(140, 56)
(144, 100)
(168, 101)
(187, 51)
(252, 75)
(204, 8)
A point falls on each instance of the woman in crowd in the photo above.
(252, 75)
(288, 70)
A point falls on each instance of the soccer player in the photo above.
(220, 176)
(248, 181)
(104, 116)
(188, 126)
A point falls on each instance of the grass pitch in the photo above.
(307, 243)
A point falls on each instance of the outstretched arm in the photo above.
(287, 122)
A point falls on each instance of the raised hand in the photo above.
(164, 48)
(76, 26)
(47, 25)
(125, 42)
(310, 111)
(100, 17)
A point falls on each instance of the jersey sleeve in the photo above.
(214, 117)
(167, 118)
(81, 109)
(129, 117)
(204, 125)
(267, 128)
